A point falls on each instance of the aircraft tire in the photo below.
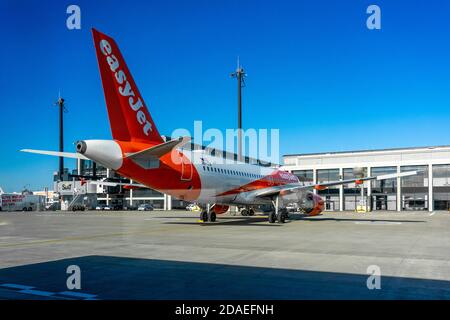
(251, 212)
(281, 218)
(272, 217)
(212, 216)
(204, 216)
(244, 212)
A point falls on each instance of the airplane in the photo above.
(138, 152)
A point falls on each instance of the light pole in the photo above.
(239, 74)
(61, 105)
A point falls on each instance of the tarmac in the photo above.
(170, 255)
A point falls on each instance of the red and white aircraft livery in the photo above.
(138, 152)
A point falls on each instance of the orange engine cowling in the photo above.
(220, 209)
(313, 204)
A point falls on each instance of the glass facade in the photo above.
(441, 187)
(415, 189)
(384, 192)
(87, 169)
(146, 193)
(331, 194)
(156, 203)
(304, 175)
(352, 194)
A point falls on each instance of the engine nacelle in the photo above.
(311, 204)
(220, 208)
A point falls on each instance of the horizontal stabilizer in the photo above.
(57, 154)
(159, 150)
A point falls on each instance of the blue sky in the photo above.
(314, 71)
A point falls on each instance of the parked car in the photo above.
(78, 207)
(193, 207)
(102, 207)
(292, 207)
(145, 207)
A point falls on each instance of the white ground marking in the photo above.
(162, 219)
(378, 222)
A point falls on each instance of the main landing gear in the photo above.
(247, 212)
(279, 214)
(207, 215)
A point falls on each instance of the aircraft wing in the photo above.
(292, 187)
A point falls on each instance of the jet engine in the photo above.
(220, 208)
(311, 204)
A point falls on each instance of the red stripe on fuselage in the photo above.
(274, 179)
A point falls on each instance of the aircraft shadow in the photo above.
(256, 221)
(110, 277)
(323, 218)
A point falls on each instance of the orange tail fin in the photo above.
(128, 114)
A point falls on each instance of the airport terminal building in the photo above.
(429, 190)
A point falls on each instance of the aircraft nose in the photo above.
(81, 147)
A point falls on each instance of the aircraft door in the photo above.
(186, 168)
